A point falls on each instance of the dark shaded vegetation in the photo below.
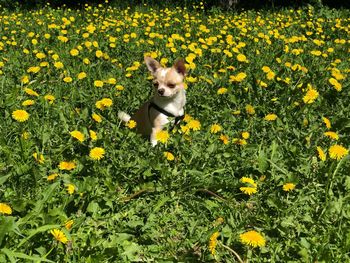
(208, 4)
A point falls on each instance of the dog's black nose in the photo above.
(161, 92)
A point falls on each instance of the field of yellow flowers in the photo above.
(258, 170)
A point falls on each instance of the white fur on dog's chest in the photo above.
(163, 119)
(175, 106)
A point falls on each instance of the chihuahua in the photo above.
(168, 100)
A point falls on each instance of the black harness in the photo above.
(178, 119)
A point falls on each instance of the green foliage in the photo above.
(134, 204)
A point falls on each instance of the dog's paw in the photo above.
(154, 142)
(124, 116)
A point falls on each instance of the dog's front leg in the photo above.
(155, 130)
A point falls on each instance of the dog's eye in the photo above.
(171, 86)
(155, 84)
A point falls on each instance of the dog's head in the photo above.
(167, 81)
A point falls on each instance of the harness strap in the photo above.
(178, 119)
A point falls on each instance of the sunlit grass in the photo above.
(263, 148)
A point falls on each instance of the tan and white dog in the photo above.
(167, 103)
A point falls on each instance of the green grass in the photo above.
(134, 204)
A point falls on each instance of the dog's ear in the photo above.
(152, 64)
(180, 66)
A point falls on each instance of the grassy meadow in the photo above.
(257, 172)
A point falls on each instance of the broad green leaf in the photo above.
(93, 207)
(4, 178)
(7, 224)
(263, 164)
(12, 255)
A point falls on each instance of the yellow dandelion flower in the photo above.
(215, 128)
(55, 57)
(162, 136)
(58, 65)
(40, 55)
(99, 105)
(242, 58)
(337, 75)
(239, 141)
(187, 118)
(239, 77)
(96, 117)
(262, 84)
(222, 91)
(316, 53)
(321, 154)
(5, 209)
(67, 79)
(112, 81)
(97, 153)
(266, 69)
(332, 135)
(288, 187)
(52, 177)
(310, 96)
(248, 181)
(194, 125)
(248, 190)
(93, 135)
(25, 79)
(98, 83)
(169, 156)
(50, 98)
(59, 235)
(39, 158)
(82, 75)
(28, 103)
(131, 124)
(335, 84)
(20, 115)
(191, 79)
(337, 152)
(67, 165)
(327, 122)
(270, 75)
(68, 225)
(252, 238)
(77, 135)
(213, 242)
(245, 135)
(33, 69)
(250, 109)
(99, 53)
(270, 117)
(70, 189)
(224, 138)
(31, 92)
(185, 129)
(74, 52)
(106, 102)
(119, 87)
